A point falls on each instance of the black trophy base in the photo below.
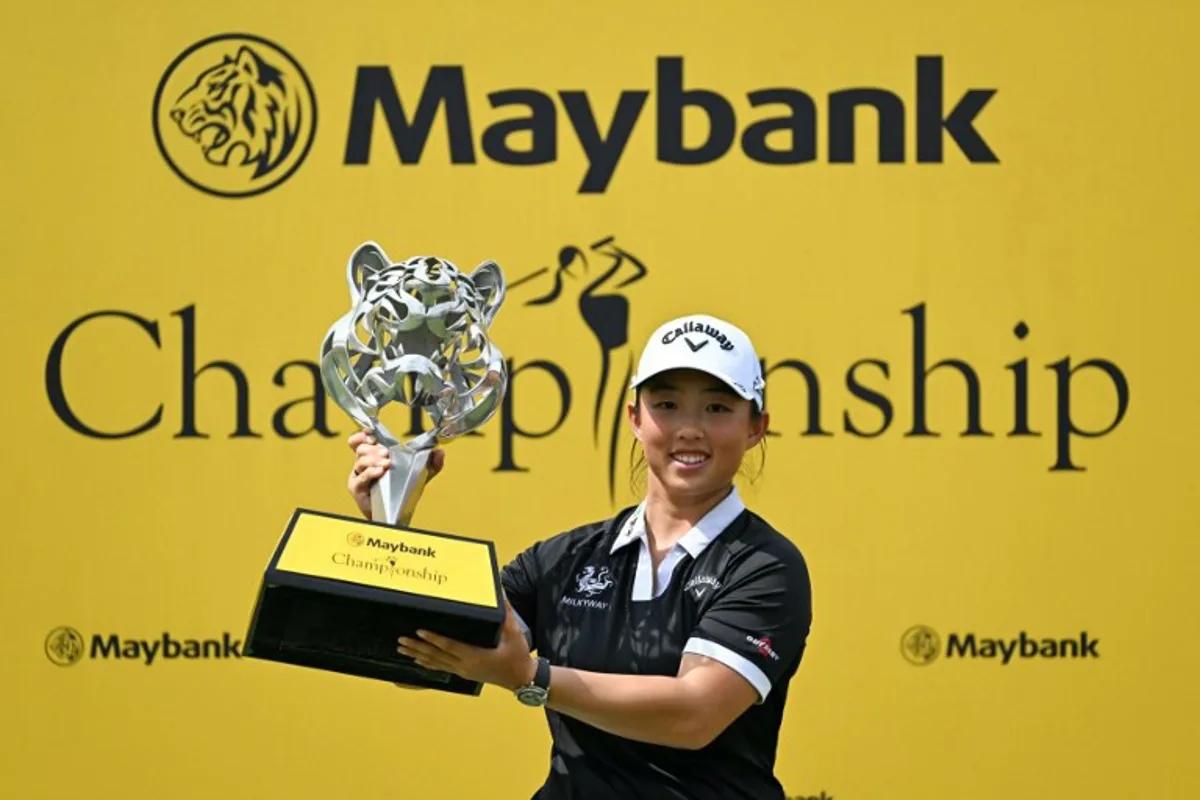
(340, 626)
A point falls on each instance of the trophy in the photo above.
(339, 591)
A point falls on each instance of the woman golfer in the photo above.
(667, 635)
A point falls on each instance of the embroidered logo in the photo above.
(591, 583)
(701, 584)
(764, 647)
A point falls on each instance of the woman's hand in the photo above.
(508, 664)
(370, 462)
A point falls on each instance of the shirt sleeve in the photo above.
(758, 623)
(519, 579)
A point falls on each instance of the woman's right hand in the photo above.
(370, 462)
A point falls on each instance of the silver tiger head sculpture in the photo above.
(416, 334)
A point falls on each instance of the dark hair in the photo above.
(637, 459)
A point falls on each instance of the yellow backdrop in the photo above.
(1042, 237)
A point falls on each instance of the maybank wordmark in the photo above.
(401, 547)
(165, 648)
(529, 134)
(921, 645)
(1024, 647)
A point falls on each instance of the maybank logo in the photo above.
(65, 646)
(921, 645)
(356, 539)
(786, 126)
(234, 115)
(401, 547)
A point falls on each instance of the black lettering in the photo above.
(802, 123)
(508, 424)
(105, 648)
(603, 152)
(232, 647)
(672, 100)
(814, 394)
(190, 373)
(542, 124)
(841, 124)
(1066, 427)
(444, 86)
(870, 396)
(961, 647)
(317, 398)
(921, 374)
(959, 123)
(54, 378)
(1020, 369)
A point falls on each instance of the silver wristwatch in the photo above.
(537, 691)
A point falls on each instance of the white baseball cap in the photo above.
(708, 344)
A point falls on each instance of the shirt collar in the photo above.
(695, 540)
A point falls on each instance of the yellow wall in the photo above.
(1085, 231)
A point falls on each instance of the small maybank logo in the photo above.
(65, 646)
(401, 547)
(921, 645)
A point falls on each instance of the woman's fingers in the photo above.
(436, 461)
(359, 438)
(371, 456)
(377, 450)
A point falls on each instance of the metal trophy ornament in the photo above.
(339, 590)
(416, 334)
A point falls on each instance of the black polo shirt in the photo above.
(733, 589)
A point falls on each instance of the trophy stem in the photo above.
(394, 496)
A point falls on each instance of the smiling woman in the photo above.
(668, 635)
(662, 392)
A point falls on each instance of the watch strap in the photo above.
(541, 677)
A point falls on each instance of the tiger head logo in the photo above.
(242, 104)
(920, 645)
(417, 334)
(64, 646)
(235, 115)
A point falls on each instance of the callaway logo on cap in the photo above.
(708, 344)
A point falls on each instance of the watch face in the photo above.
(532, 695)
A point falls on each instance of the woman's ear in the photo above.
(758, 428)
(635, 419)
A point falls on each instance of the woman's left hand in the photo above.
(508, 664)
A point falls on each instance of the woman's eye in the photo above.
(667, 404)
(718, 408)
